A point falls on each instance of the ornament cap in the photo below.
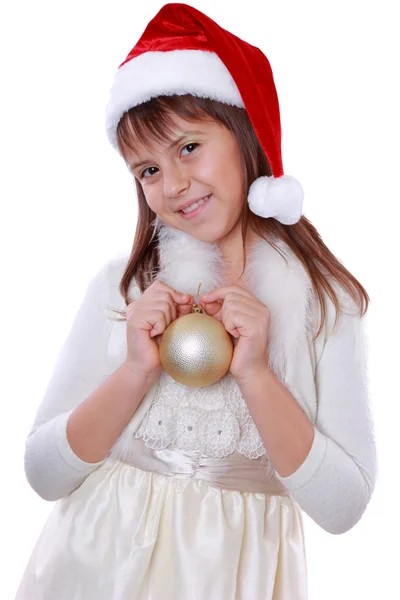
(197, 309)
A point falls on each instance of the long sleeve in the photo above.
(52, 468)
(335, 482)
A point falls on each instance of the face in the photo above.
(202, 162)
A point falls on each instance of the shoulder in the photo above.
(114, 269)
(347, 305)
(345, 330)
(109, 278)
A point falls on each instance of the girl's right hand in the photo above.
(146, 320)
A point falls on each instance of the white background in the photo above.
(68, 205)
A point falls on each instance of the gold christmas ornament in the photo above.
(196, 349)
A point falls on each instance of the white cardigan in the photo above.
(327, 377)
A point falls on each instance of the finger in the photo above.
(169, 310)
(245, 306)
(166, 306)
(158, 339)
(183, 298)
(178, 297)
(187, 306)
(222, 292)
(155, 322)
(212, 308)
(220, 310)
(184, 309)
(180, 303)
(235, 323)
(236, 335)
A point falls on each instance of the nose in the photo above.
(175, 181)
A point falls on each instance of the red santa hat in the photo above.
(182, 51)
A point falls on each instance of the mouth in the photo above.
(195, 211)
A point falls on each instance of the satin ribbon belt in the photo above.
(233, 472)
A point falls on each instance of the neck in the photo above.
(231, 248)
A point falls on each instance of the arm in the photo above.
(285, 430)
(86, 404)
(334, 476)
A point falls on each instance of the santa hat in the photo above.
(182, 51)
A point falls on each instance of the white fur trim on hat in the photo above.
(277, 197)
(151, 74)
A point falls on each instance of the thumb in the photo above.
(212, 308)
(181, 298)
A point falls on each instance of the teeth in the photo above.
(195, 205)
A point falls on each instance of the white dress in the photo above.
(194, 512)
(187, 506)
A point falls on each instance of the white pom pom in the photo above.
(278, 197)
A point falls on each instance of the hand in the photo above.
(247, 319)
(146, 320)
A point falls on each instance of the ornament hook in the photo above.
(197, 308)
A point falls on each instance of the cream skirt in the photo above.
(130, 534)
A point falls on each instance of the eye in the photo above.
(142, 174)
(190, 147)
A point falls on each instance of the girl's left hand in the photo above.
(247, 319)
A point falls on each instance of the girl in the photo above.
(171, 492)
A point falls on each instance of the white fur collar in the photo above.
(284, 287)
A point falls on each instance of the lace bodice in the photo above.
(211, 421)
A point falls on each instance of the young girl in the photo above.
(171, 492)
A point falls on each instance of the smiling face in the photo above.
(202, 160)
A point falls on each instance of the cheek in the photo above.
(227, 170)
(152, 198)
(207, 170)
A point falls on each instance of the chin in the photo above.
(206, 235)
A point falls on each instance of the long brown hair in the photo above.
(154, 119)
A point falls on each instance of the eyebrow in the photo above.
(177, 141)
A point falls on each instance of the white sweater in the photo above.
(335, 482)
